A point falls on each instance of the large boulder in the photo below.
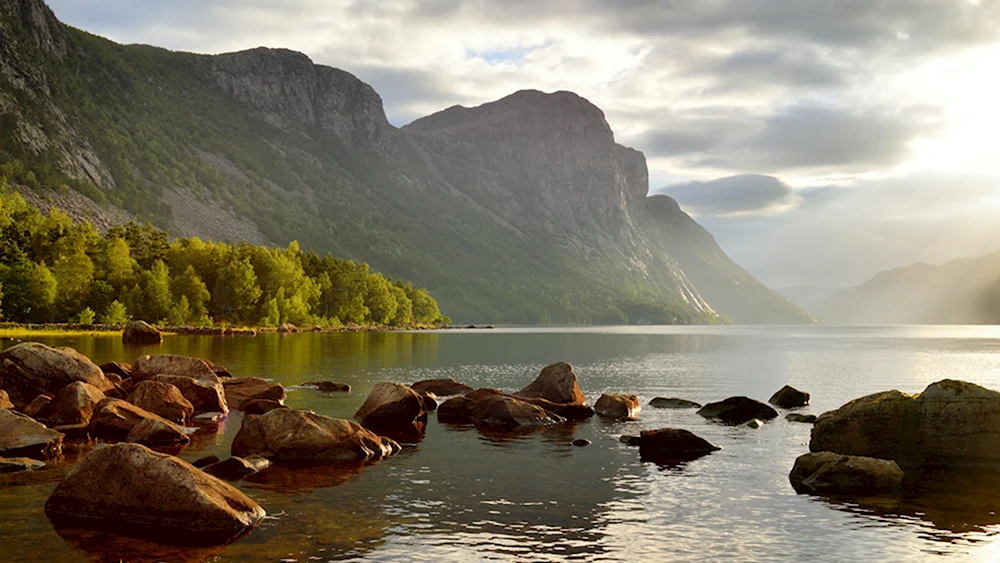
(391, 404)
(128, 489)
(293, 435)
(149, 366)
(738, 410)
(789, 397)
(673, 403)
(617, 406)
(240, 390)
(31, 369)
(951, 424)
(441, 387)
(162, 399)
(672, 445)
(493, 408)
(140, 333)
(22, 436)
(828, 473)
(205, 395)
(556, 383)
(114, 419)
(74, 404)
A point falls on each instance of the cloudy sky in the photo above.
(820, 141)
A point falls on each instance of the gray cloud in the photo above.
(744, 193)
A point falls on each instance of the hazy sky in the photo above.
(819, 140)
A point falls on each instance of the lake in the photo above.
(463, 496)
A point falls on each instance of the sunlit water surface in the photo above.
(463, 496)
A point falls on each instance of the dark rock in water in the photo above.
(205, 395)
(21, 436)
(287, 328)
(617, 406)
(239, 390)
(828, 473)
(569, 411)
(754, 423)
(221, 372)
(430, 401)
(796, 417)
(123, 371)
(738, 410)
(331, 387)
(39, 408)
(236, 468)
(162, 399)
(441, 387)
(391, 404)
(206, 461)
(261, 406)
(633, 441)
(140, 333)
(789, 397)
(128, 489)
(18, 464)
(31, 369)
(952, 424)
(494, 408)
(673, 403)
(5, 400)
(556, 383)
(74, 404)
(673, 445)
(292, 435)
(155, 433)
(73, 431)
(114, 419)
(581, 443)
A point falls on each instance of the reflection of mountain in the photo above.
(964, 291)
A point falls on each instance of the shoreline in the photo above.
(10, 330)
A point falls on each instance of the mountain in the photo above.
(523, 210)
(807, 296)
(964, 291)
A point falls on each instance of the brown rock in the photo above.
(738, 410)
(74, 404)
(287, 328)
(331, 387)
(441, 387)
(569, 411)
(493, 408)
(205, 395)
(292, 435)
(556, 383)
(128, 489)
(148, 367)
(31, 369)
(162, 399)
(673, 444)
(203, 462)
(804, 418)
(239, 390)
(21, 436)
(140, 333)
(236, 468)
(221, 372)
(124, 371)
(789, 397)
(114, 419)
(828, 473)
(18, 464)
(430, 401)
(391, 404)
(156, 433)
(673, 403)
(618, 406)
(39, 408)
(261, 406)
(5, 400)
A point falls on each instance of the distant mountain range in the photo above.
(523, 210)
(806, 296)
(964, 291)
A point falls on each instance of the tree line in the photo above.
(53, 269)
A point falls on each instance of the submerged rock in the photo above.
(796, 417)
(330, 386)
(673, 403)
(556, 383)
(74, 404)
(754, 423)
(618, 406)
(441, 387)
(140, 333)
(738, 410)
(673, 445)
(391, 404)
(581, 443)
(261, 406)
(156, 433)
(162, 399)
(31, 369)
(236, 468)
(128, 489)
(789, 397)
(951, 424)
(18, 464)
(240, 390)
(828, 473)
(293, 435)
(22, 436)
(629, 440)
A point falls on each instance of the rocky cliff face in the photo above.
(521, 210)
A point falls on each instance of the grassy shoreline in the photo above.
(20, 330)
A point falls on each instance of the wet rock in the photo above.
(73, 431)
(828, 473)
(556, 383)
(221, 372)
(39, 408)
(149, 366)
(569, 411)
(31, 369)
(22, 436)
(140, 333)
(163, 399)
(673, 403)
(123, 371)
(441, 387)
(114, 378)
(5, 400)
(155, 433)
(737, 410)
(236, 468)
(331, 387)
(618, 406)
(293, 435)
(205, 395)
(796, 417)
(493, 408)
(952, 424)
(128, 489)
(287, 328)
(261, 406)
(114, 419)
(430, 401)
(18, 464)
(754, 423)
(789, 397)
(205, 461)
(74, 404)
(239, 390)
(391, 404)
(673, 444)
(581, 443)
(629, 440)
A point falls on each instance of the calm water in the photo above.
(463, 496)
